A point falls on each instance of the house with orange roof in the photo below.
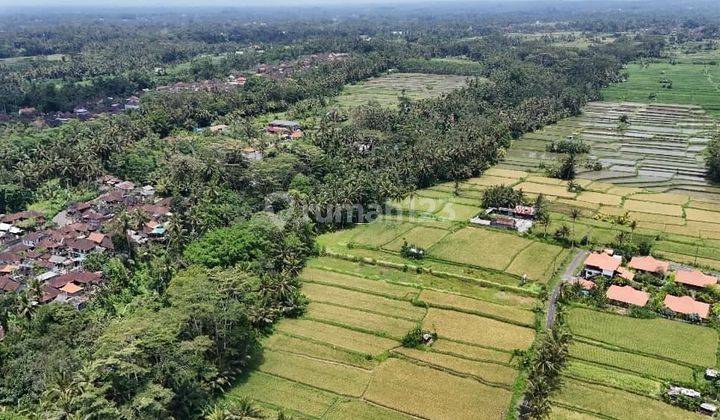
(601, 263)
(627, 295)
(687, 306)
(72, 289)
(649, 265)
(694, 278)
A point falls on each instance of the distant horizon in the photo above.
(214, 4)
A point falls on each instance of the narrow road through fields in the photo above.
(567, 276)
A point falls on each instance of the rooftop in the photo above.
(694, 278)
(628, 295)
(649, 264)
(603, 261)
(687, 305)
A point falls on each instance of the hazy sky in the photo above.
(205, 3)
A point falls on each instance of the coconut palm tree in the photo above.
(574, 215)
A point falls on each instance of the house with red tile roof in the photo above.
(627, 295)
(649, 265)
(694, 278)
(687, 306)
(601, 263)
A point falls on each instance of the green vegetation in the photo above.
(692, 84)
(655, 337)
(386, 90)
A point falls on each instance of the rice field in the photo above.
(661, 148)
(619, 365)
(614, 403)
(683, 228)
(386, 89)
(344, 355)
(654, 337)
(692, 84)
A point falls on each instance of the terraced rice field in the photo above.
(344, 355)
(343, 359)
(386, 89)
(661, 149)
(683, 228)
(619, 364)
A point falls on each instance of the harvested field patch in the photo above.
(286, 343)
(563, 205)
(624, 191)
(490, 372)
(561, 413)
(705, 205)
(556, 190)
(536, 261)
(282, 393)
(434, 394)
(656, 208)
(603, 187)
(600, 375)
(387, 88)
(416, 203)
(450, 301)
(380, 232)
(713, 264)
(657, 218)
(337, 336)
(657, 336)
(465, 287)
(453, 211)
(489, 180)
(545, 180)
(364, 301)
(702, 215)
(600, 198)
(334, 377)
(355, 319)
(474, 329)
(481, 247)
(506, 173)
(619, 404)
(470, 352)
(358, 283)
(663, 198)
(361, 410)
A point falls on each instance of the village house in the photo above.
(694, 279)
(282, 127)
(601, 264)
(649, 265)
(54, 256)
(627, 295)
(585, 284)
(687, 306)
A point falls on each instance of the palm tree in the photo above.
(242, 410)
(574, 214)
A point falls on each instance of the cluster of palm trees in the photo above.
(550, 357)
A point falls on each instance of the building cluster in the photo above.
(82, 112)
(609, 265)
(46, 256)
(287, 130)
(230, 83)
(519, 218)
(288, 68)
